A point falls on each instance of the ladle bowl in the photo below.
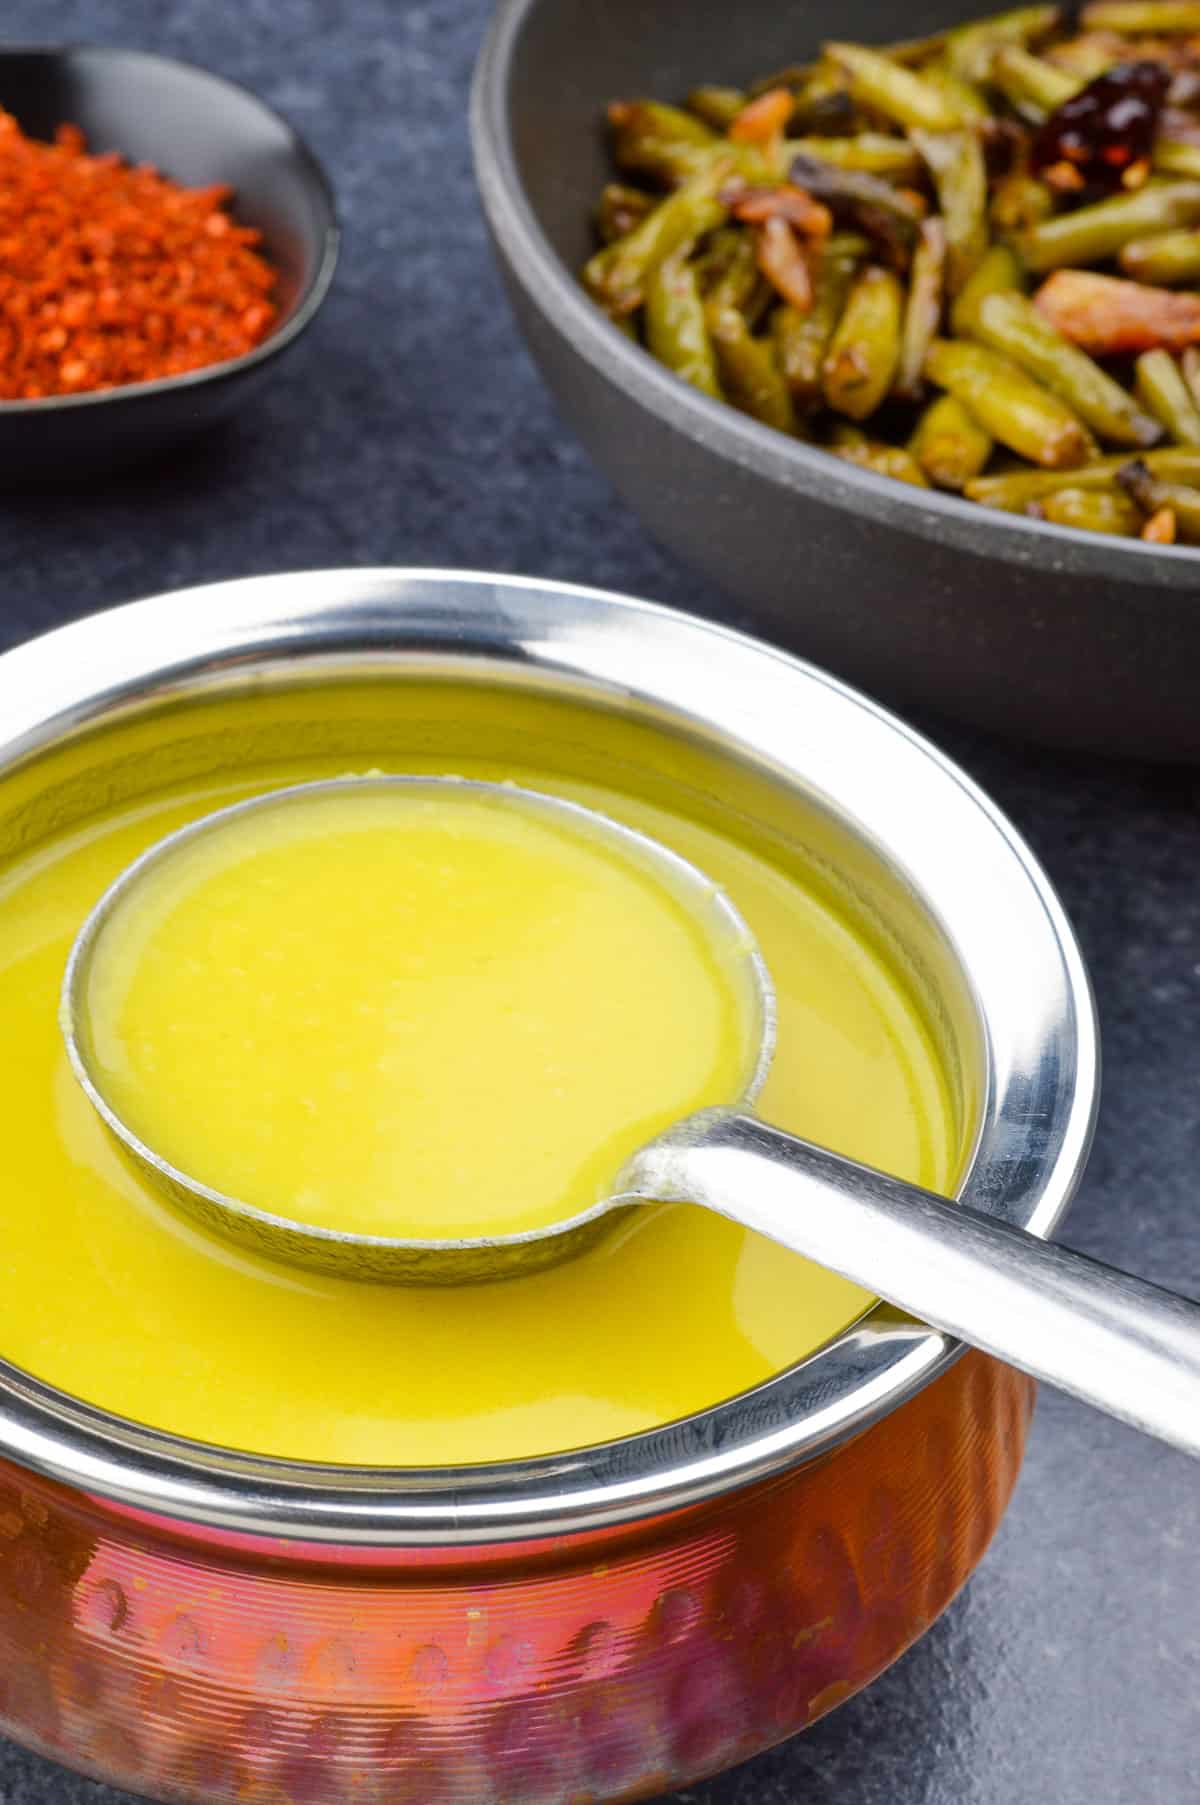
(399, 1259)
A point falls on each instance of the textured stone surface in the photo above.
(409, 428)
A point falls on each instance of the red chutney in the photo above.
(111, 274)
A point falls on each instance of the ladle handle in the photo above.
(1113, 1340)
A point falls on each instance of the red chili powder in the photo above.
(111, 274)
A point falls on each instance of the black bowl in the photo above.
(197, 128)
(1021, 626)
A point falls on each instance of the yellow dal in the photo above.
(109, 1295)
(395, 1011)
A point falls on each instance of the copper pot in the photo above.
(196, 1624)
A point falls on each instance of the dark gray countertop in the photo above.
(410, 429)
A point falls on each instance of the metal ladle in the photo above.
(1113, 1340)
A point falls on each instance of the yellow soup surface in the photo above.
(109, 1294)
(415, 1010)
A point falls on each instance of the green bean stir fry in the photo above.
(970, 261)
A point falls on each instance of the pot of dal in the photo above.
(593, 1531)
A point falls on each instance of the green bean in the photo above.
(1089, 56)
(721, 250)
(861, 360)
(1019, 201)
(962, 96)
(620, 210)
(1093, 233)
(734, 279)
(1152, 492)
(1092, 510)
(1161, 17)
(1011, 324)
(631, 120)
(888, 88)
(851, 245)
(792, 75)
(1165, 260)
(875, 152)
(728, 273)
(923, 310)
(1014, 409)
(750, 374)
(1015, 489)
(1163, 392)
(663, 142)
(670, 162)
(676, 332)
(823, 102)
(1189, 365)
(848, 443)
(617, 274)
(914, 51)
(802, 339)
(955, 161)
(1032, 85)
(668, 146)
(970, 48)
(1170, 158)
(949, 444)
(908, 51)
(717, 107)
(597, 279)
(998, 271)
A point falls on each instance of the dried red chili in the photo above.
(1099, 135)
(110, 274)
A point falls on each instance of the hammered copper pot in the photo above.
(608, 1665)
(196, 1624)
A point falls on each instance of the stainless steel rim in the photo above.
(949, 846)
